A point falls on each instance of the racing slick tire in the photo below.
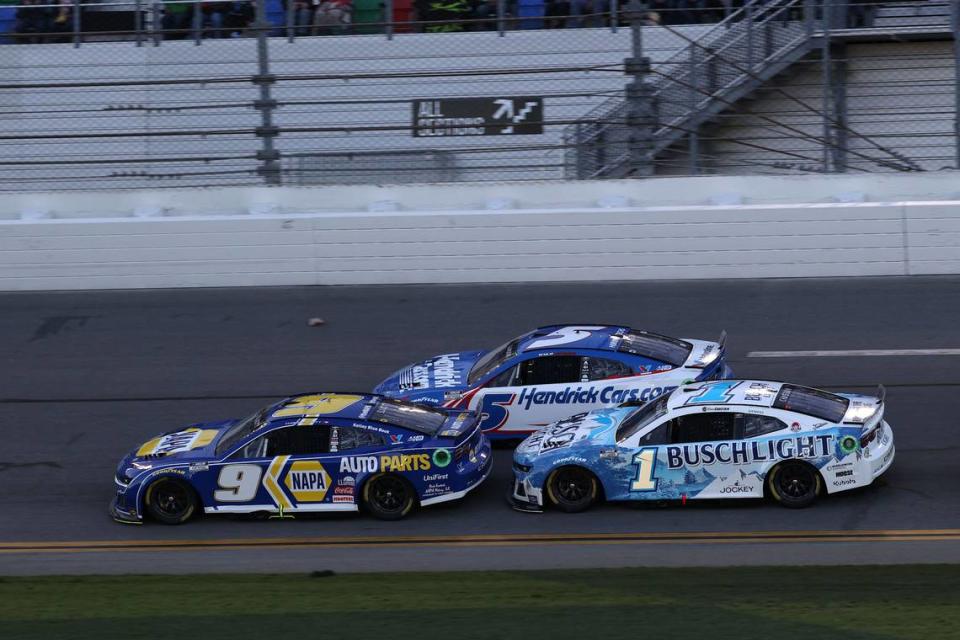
(794, 484)
(572, 489)
(170, 501)
(388, 496)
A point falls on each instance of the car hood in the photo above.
(195, 441)
(443, 373)
(586, 429)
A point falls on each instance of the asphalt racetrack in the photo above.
(86, 376)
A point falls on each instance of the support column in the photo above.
(640, 111)
(267, 131)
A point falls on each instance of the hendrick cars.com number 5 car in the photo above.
(557, 371)
(725, 439)
(318, 452)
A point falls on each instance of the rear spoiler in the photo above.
(881, 393)
(721, 345)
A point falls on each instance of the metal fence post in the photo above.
(267, 131)
(693, 150)
(501, 16)
(955, 22)
(138, 23)
(639, 103)
(388, 18)
(76, 24)
(290, 20)
(155, 22)
(614, 15)
(750, 48)
(827, 82)
(197, 21)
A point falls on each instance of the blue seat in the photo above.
(8, 22)
(530, 13)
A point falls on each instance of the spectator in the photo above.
(33, 22)
(485, 16)
(443, 16)
(557, 13)
(302, 18)
(333, 17)
(237, 18)
(214, 15)
(177, 19)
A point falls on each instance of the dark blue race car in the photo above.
(554, 372)
(308, 453)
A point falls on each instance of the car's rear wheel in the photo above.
(794, 484)
(572, 489)
(388, 497)
(170, 501)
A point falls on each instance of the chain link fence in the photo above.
(497, 92)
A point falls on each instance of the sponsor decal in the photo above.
(436, 489)
(747, 452)
(337, 498)
(844, 465)
(308, 481)
(886, 458)
(736, 487)
(415, 439)
(849, 444)
(795, 426)
(441, 458)
(847, 472)
(586, 395)
(440, 372)
(347, 481)
(359, 464)
(342, 491)
(406, 462)
(199, 466)
(844, 483)
(572, 459)
(185, 440)
(436, 477)
(396, 439)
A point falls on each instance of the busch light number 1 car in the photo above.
(318, 452)
(557, 371)
(724, 439)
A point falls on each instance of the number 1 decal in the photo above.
(646, 461)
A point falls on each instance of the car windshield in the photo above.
(409, 416)
(242, 429)
(493, 359)
(812, 402)
(641, 418)
(651, 345)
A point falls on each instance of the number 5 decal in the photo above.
(564, 335)
(493, 410)
(238, 483)
(646, 461)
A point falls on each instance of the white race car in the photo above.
(722, 439)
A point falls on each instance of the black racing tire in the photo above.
(388, 496)
(794, 484)
(170, 501)
(572, 489)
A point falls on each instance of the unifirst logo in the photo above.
(581, 395)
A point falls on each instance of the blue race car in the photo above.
(317, 452)
(722, 439)
(557, 371)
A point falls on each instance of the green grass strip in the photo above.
(850, 603)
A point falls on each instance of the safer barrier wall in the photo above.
(605, 241)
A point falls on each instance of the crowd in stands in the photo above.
(52, 20)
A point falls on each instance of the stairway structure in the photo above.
(733, 59)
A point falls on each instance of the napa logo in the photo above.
(308, 481)
(178, 442)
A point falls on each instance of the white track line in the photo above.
(854, 352)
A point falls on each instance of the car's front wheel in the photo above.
(388, 497)
(794, 484)
(572, 489)
(170, 501)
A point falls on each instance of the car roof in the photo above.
(601, 337)
(756, 393)
(306, 408)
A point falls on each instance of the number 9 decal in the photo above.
(493, 410)
(238, 483)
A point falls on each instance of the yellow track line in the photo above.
(487, 540)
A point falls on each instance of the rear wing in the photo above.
(881, 393)
(709, 356)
